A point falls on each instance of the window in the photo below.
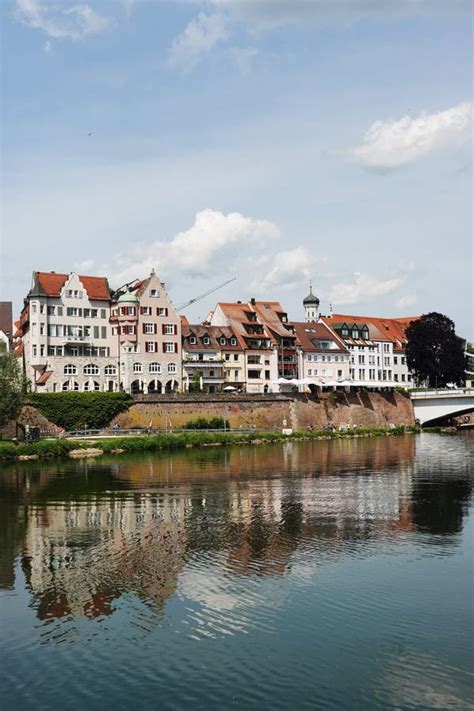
(70, 385)
(171, 368)
(162, 311)
(355, 333)
(227, 356)
(253, 359)
(33, 307)
(103, 313)
(386, 361)
(110, 370)
(145, 310)
(51, 310)
(150, 347)
(236, 356)
(137, 368)
(386, 347)
(170, 347)
(103, 352)
(154, 368)
(70, 369)
(148, 328)
(310, 371)
(103, 331)
(96, 332)
(206, 340)
(154, 293)
(222, 341)
(361, 360)
(193, 340)
(253, 374)
(233, 341)
(91, 369)
(73, 311)
(395, 360)
(403, 377)
(168, 329)
(60, 310)
(87, 313)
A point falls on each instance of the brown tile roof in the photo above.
(44, 377)
(308, 333)
(51, 284)
(213, 332)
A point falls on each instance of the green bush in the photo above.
(73, 410)
(214, 423)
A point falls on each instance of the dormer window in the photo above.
(233, 341)
(355, 333)
(344, 331)
(365, 333)
(192, 340)
(222, 341)
(206, 340)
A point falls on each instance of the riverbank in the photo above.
(61, 448)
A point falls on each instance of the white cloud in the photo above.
(268, 14)
(390, 144)
(60, 20)
(406, 301)
(214, 241)
(363, 288)
(199, 37)
(243, 57)
(288, 269)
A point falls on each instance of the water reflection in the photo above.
(89, 533)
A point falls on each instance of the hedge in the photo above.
(73, 410)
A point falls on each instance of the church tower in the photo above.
(311, 306)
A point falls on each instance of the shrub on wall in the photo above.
(73, 410)
(201, 423)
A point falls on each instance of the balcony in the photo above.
(203, 363)
(77, 338)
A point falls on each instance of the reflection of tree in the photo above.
(439, 506)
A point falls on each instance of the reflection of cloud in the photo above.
(422, 681)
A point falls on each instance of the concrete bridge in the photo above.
(431, 406)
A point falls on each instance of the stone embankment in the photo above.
(367, 410)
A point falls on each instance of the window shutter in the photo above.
(163, 346)
(155, 328)
(143, 327)
(163, 328)
(175, 330)
(175, 346)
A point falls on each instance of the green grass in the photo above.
(61, 447)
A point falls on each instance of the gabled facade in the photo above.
(63, 335)
(322, 355)
(256, 341)
(147, 331)
(212, 358)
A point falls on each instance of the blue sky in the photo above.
(272, 140)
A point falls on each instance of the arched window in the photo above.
(154, 368)
(171, 367)
(91, 369)
(96, 385)
(223, 341)
(87, 386)
(137, 368)
(66, 385)
(70, 385)
(110, 370)
(69, 369)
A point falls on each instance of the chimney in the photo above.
(252, 301)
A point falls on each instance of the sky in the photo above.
(276, 141)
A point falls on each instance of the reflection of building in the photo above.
(229, 512)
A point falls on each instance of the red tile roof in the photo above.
(52, 283)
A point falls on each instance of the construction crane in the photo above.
(202, 296)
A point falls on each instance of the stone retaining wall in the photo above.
(361, 409)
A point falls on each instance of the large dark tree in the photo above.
(12, 387)
(434, 352)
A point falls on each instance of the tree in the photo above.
(12, 387)
(434, 352)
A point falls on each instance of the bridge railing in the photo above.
(441, 392)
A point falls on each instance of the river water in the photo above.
(311, 575)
